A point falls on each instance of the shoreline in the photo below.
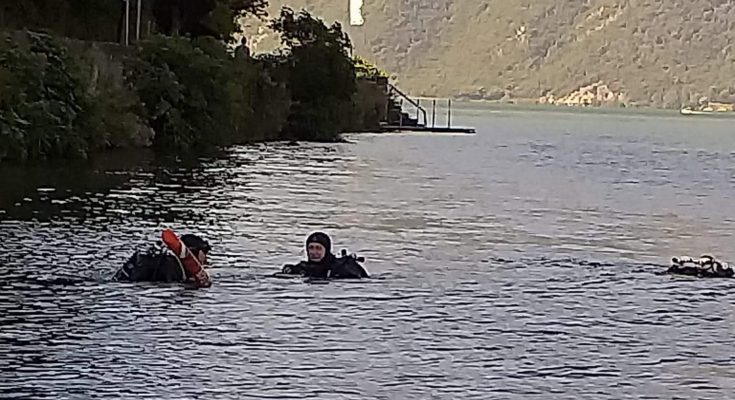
(484, 105)
(148, 97)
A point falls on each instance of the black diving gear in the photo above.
(330, 267)
(703, 267)
(321, 238)
(158, 264)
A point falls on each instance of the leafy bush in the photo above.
(44, 109)
(82, 19)
(366, 69)
(321, 75)
(182, 84)
(180, 93)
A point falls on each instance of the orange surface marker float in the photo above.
(191, 264)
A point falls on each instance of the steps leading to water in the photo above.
(399, 120)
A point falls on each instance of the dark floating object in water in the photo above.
(704, 267)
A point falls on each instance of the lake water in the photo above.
(517, 263)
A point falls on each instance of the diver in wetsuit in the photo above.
(157, 265)
(704, 267)
(322, 264)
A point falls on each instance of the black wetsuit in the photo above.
(151, 267)
(330, 268)
(709, 271)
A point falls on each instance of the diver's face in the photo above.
(316, 252)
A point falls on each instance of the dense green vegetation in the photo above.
(45, 110)
(182, 89)
(103, 20)
(321, 74)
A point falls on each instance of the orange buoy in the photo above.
(191, 264)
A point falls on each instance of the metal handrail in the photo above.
(410, 100)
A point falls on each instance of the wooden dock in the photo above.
(421, 128)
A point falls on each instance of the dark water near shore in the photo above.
(518, 263)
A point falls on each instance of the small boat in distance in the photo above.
(689, 111)
(710, 108)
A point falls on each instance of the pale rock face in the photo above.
(595, 94)
(645, 50)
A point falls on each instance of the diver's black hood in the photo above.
(195, 243)
(321, 238)
(324, 240)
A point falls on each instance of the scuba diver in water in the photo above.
(703, 267)
(322, 264)
(184, 262)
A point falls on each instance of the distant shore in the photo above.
(477, 107)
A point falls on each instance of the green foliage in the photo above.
(196, 18)
(62, 98)
(181, 87)
(273, 97)
(305, 30)
(321, 74)
(82, 19)
(114, 111)
(366, 69)
(369, 107)
(102, 20)
(44, 110)
(195, 94)
(226, 15)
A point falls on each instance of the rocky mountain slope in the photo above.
(663, 53)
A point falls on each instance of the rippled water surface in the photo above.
(518, 263)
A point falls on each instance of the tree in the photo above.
(215, 18)
(81, 19)
(321, 74)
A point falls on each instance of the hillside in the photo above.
(664, 53)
